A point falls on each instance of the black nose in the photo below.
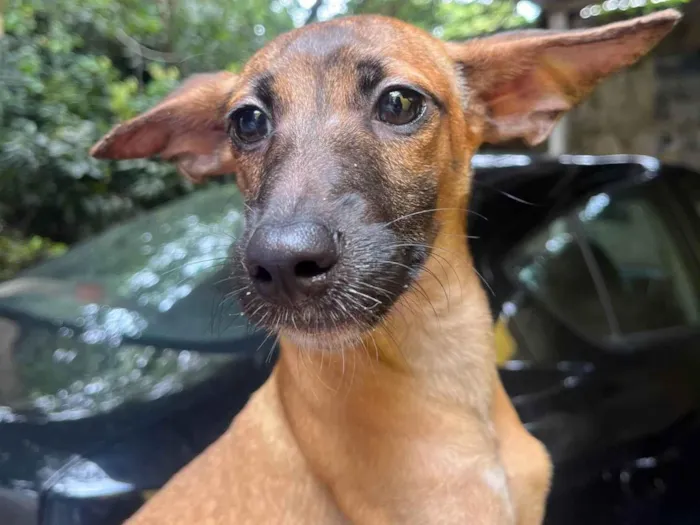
(291, 261)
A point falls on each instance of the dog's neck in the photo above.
(436, 341)
(412, 402)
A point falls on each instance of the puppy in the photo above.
(351, 141)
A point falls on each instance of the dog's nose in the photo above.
(291, 261)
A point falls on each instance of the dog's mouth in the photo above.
(339, 306)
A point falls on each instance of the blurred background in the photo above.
(123, 354)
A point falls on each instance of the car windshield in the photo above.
(162, 275)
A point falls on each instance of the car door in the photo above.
(603, 315)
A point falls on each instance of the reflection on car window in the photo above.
(162, 275)
(552, 267)
(612, 267)
(645, 273)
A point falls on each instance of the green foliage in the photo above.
(450, 20)
(17, 253)
(59, 91)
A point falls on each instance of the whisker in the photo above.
(437, 256)
(379, 289)
(396, 344)
(419, 288)
(198, 261)
(399, 311)
(268, 359)
(236, 293)
(228, 278)
(420, 212)
(432, 249)
(352, 377)
(263, 342)
(376, 348)
(483, 280)
(257, 325)
(352, 290)
(505, 194)
(463, 235)
(424, 268)
(252, 316)
(342, 306)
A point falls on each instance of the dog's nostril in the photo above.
(310, 269)
(291, 261)
(261, 274)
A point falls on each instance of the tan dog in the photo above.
(352, 142)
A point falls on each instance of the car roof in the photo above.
(491, 161)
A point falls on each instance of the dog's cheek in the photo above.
(415, 182)
(415, 199)
(250, 173)
(241, 286)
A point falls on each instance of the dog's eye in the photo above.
(250, 124)
(400, 106)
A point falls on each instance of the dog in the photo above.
(351, 141)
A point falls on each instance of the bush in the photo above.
(58, 101)
(17, 252)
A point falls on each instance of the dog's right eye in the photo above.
(400, 106)
(250, 124)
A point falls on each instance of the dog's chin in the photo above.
(322, 324)
(324, 329)
(331, 341)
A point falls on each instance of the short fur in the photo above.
(385, 406)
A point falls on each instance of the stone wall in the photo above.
(652, 108)
(677, 105)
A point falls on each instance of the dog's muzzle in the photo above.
(289, 263)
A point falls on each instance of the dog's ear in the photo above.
(188, 128)
(526, 80)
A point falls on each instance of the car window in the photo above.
(646, 273)
(552, 267)
(687, 187)
(612, 267)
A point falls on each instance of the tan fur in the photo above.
(411, 425)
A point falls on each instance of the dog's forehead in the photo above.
(370, 33)
(348, 53)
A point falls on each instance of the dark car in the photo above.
(125, 358)
(593, 267)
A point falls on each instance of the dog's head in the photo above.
(352, 140)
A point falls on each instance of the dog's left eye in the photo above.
(400, 106)
(250, 124)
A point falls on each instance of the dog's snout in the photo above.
(291, 261)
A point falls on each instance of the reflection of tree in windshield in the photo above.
(68, 378)
(138, 275)
(146, 265)
(171, 272)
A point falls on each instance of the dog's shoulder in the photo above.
(253, 474)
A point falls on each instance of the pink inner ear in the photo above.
(528, 80)
(168, 138)
(145, 142)
(187, 123)
(529, 106)
(195, 142)
(136, 139)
